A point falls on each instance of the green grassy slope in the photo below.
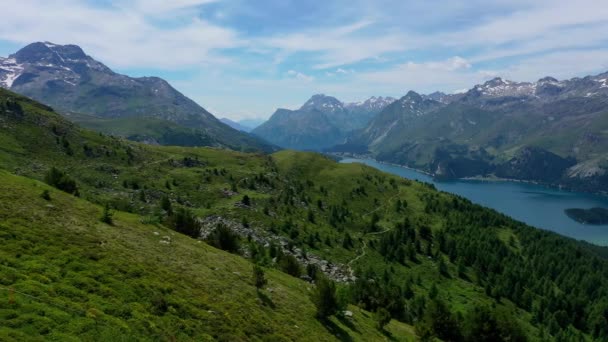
(67, 276)
(163, 132)
(431, 247)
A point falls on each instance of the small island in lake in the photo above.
(595, 216)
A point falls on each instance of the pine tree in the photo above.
(258, 277)
(382, 318)
(324, 297)
(106, 216)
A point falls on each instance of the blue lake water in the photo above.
(536, 205)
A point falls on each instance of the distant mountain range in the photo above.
(321, 122)
(548, 131)
(64, 77)
(245, 125)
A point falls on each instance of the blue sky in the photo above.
(243, 59)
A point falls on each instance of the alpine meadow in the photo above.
(128, 212)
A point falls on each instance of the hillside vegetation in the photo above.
(390, 247)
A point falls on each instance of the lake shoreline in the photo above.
(537, 205)
(473, 178)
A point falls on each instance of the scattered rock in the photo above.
(336, 272)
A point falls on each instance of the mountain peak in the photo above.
(49, 53)
(323, 103)
(35, 52)
(548, 79)
(496, 81)
(412, 96)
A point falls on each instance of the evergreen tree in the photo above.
(185, 222)
(106, 216)
(382, 318)
(258, 277)
(440, 322)
(165, 204)
(246, 201)
(324, 297)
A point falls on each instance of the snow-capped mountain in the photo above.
(550, 130)
(47, 62)
(321, 122)
(372, 104)
(67, 79)
(323, 103)
(545, 89)
(443, 97)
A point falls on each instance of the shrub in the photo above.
(290, 265)
(223, 238)
(246, 201)
(46, 195)
(61, 181)
(382, 318)
(165, 204)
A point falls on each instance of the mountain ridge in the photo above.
(64, 77)
(322, 121)
(119, 249)
(481, 131)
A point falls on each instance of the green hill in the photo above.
(395, 248)
(68, 276)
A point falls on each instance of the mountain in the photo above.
(300, 130)
(251, 124)
(141, 242)
(234, 125)
(321, 122)
(67, 79)
(364, 111)
(442, 97)
(502, 128)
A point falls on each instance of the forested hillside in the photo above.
(127, 242)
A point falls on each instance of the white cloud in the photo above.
(517, 39)
(561, 65)
(163, 6)
(344, 71)
(122, 36)
(336, 46)
(300, 76)
(452, 71)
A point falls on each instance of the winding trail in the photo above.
(364, 247)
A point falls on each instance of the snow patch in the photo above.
(12, 69)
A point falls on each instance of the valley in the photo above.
(116, 212)
(129, 212)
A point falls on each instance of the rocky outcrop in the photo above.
(336, 272)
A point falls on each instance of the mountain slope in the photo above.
(234, 125)
(134, 281)
(321, 122)
(303, 130)
(479, 132)
(394, 247)
(64, 77)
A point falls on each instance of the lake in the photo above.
(536, 205)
